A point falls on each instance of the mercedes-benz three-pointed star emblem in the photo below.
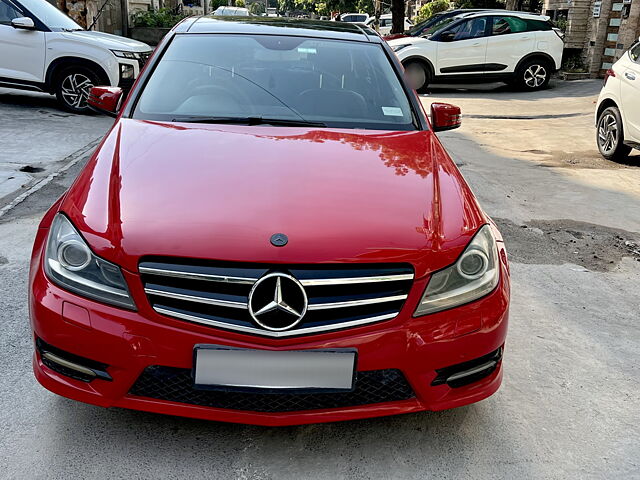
(277, 302)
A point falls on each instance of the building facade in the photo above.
(598, 31)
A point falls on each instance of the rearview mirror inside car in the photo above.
(445, 117)
(105, 100)
(24, 23)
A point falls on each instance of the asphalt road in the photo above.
(569, 405)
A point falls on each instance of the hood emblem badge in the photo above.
(279, 240)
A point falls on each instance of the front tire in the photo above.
(418, 75)
(610, 135)
(533, 75)
(72, 87)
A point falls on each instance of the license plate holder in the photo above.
(223, 368)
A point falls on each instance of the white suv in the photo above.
(42, 49)
(386, 23)
(618, 111)
(513, 47)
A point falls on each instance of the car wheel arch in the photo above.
(61, 63)
(536, 55)
(606, 103)
(420, 59)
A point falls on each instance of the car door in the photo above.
(23, 51)
(462, 48)
(508, 43)
(630, 93)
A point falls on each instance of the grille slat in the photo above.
(176, 385)
(217, 293)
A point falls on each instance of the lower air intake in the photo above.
(176, 385)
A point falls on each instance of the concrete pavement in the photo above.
(569, 404)
(30, 119)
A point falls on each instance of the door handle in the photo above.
(476, 44)
(630, 75)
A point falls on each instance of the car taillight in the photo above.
(610, 73)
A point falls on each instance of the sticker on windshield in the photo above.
(392, 111)
(306, 50)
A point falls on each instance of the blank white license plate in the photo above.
(217, 366)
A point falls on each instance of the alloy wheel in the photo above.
(535, 76)
(75, 90)
(608, 133)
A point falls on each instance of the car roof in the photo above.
(278, 26)
(510, 13)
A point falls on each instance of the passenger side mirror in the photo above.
(447, 36)
(23, 23)
(105, 100)
(445, 117)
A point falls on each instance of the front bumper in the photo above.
(129, 343)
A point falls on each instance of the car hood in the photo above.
(106, 40)
(220, 192)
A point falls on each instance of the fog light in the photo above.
(473, 264)
(126, 71)
(73, 255)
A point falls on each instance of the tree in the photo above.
(365, 6)
(240, 3)
(217, 3)
(397, 16)
(285, 6)
(256, 8)
(431, 8)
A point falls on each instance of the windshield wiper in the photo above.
(283, 122)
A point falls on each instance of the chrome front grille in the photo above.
(217, 294)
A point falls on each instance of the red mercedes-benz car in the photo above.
(271, 233)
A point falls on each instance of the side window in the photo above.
(473, 28)
(538, 25)
(635, 53)
(506, 25)
(8, 13)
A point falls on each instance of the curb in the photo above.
(71, 160)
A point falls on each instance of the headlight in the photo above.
(397, 48)
(70, 263)
(474, 275)
(123, 54)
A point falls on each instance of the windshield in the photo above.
(417, 28)
(339, 84)
(438, 26)
(50, 15)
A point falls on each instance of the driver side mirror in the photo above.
(23, 23)
(445, 117)
(447, 36)
(105, 100)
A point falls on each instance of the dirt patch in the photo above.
(586, 159)
(3, 260)
(557, 242)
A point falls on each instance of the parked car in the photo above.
(44, 50)
(618, 110)
(436, 19)
(354, 17)
(229, 11)
(385, 23)
(515, 47)
(213, 259)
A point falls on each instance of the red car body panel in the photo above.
(340, 195)
(393, 36)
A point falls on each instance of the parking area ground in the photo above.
(570, 401)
